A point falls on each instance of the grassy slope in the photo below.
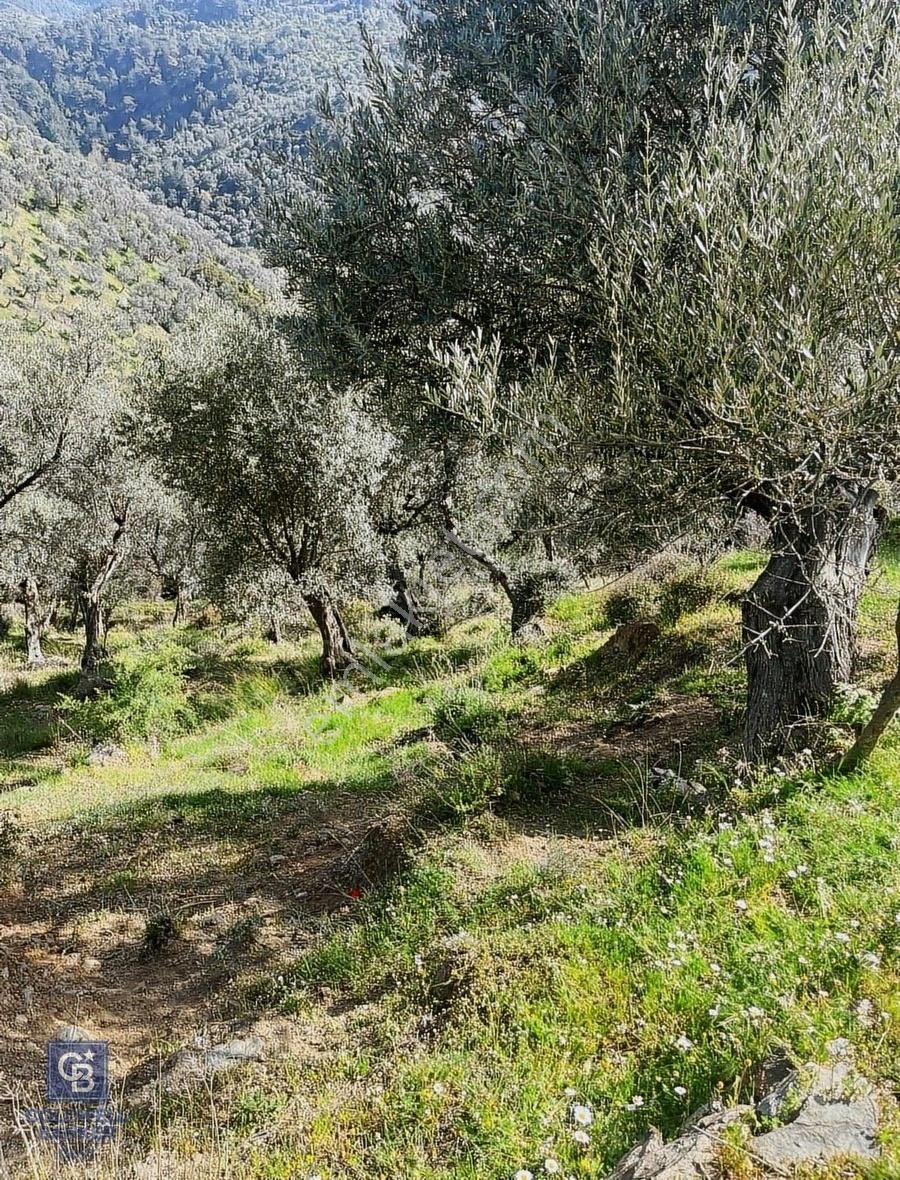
(567, 931)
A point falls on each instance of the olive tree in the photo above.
(676, 224)
(283, 469)
(34, 572)
(753, 294)
(49, 390)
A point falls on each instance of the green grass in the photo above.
(564, 928)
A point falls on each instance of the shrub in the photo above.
(632, 601)
(465, 716)
(853, 705)
(689, 590)
(465, 788)
(147, 696)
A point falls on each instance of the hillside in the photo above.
(75, 234)
(203, 99)
(443, 910)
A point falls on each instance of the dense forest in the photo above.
(450, 590)
(205, 101)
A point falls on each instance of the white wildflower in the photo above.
(582, 1116)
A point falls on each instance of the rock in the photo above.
(776, 1080)
(692, 1156)
(107, 755)
(191, 1066)
(233, 1053)
(73, 1034)
(838, 1116)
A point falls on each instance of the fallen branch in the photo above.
(887, 709)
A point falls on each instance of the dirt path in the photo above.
(74, 944)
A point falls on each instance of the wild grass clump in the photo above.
(487, 778)
(633, 600)
(465, 716)
(147, 695)
(512, 665)
(163, 689)
(690, 589)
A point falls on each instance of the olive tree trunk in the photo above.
(887, 709)
(35, 621)
(94, 651)
(799, 623)
(525, 606)
(90, 599)
(404, 607)
(337, 650)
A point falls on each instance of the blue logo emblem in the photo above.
(78, 1071)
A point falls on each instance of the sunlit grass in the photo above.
(565, 930)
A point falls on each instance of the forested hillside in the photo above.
(202, 98)
(75, 237)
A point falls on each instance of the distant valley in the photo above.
(203, 101)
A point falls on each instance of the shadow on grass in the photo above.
(28, 721)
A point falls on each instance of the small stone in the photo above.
(107, 755)
(72, 1033)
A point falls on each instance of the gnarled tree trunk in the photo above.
(337, 650)
(524, 606)
(90, 599)
(404, 606)
(799, 622)
(94, 652)
(35, 621)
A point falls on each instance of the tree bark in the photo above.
(404, 606)
(94, 652)
(887, 709)
(799, 622)
(91, 602)
(337, 651)
(34, 622)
